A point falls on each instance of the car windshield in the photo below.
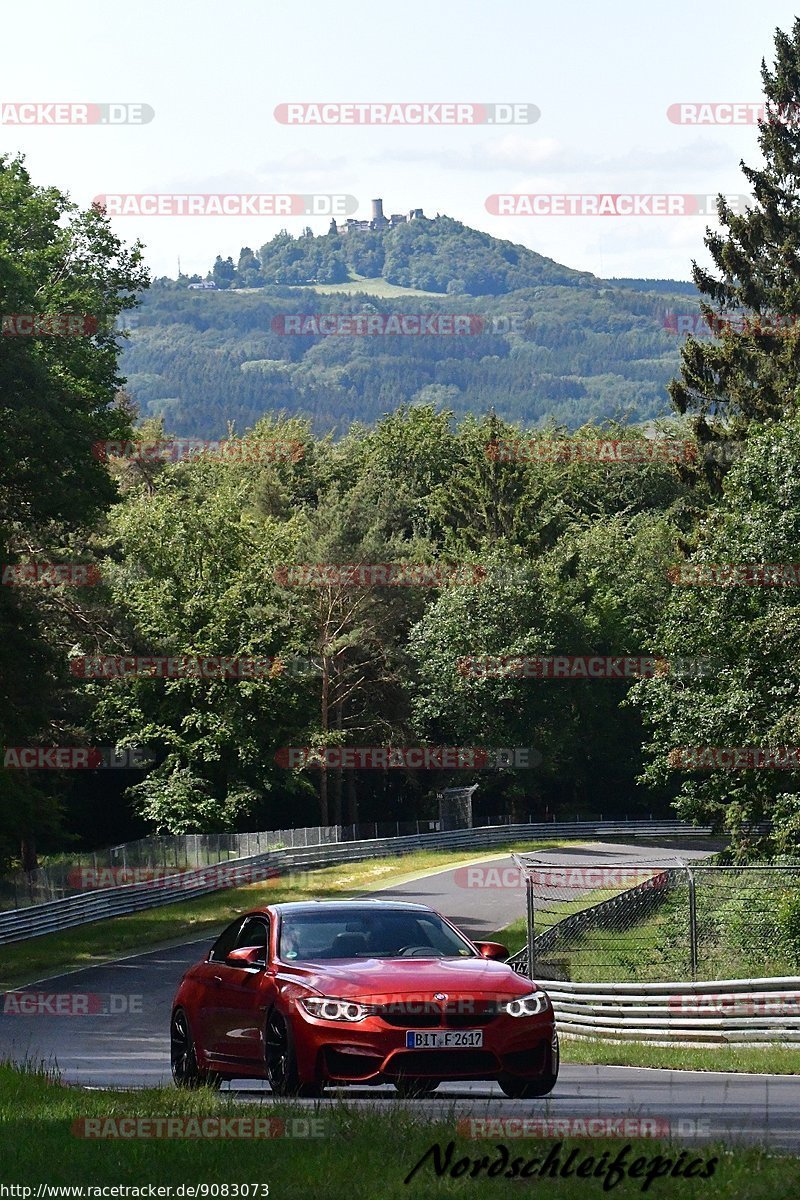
(365, 933)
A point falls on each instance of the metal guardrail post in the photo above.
(531, 931)
(692, 923)
(692, 917)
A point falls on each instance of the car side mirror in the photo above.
(494, 950)
(247, 956)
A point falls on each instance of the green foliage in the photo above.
(58, 397)
(581, 351)
(752, 697)
(750, 374)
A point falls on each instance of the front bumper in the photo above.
(372, 1051)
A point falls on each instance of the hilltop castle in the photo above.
(378, 221)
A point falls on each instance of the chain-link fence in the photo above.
(655, 923)
(149, 858)
(158, 857)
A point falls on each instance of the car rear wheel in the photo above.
(528, 1089)
(415, 1089)
(282, 1073)
(183, 1056)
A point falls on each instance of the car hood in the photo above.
(380, 978)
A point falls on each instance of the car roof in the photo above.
(291, 906)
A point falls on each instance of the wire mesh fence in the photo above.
(153, 858)
(656, 923)
(156, 858)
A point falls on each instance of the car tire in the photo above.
(415, 1089)
(517, 1088)
(183, 1056)
(281, 1060)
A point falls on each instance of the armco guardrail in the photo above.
(731, 1011)
(96, 905)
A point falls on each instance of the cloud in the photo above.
(515, 152)
(301, 162)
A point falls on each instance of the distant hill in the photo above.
(555, 343)
(439, 255)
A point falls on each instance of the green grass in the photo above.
(364, 1155)
(373, 286)
(102, 941)
(764, 1060)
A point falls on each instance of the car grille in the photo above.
(432, 1016)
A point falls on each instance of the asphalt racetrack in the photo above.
(129, 1047)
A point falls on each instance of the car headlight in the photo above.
(528, 1006)
(327, 1008)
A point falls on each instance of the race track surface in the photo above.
(129, 1046)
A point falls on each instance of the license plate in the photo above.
(443, 1039)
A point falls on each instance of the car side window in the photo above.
(253, 932)
(225, 942)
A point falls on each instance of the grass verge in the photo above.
(362, 1154)
(103, 941)
(764, 1060)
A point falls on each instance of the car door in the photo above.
(242, 996)
(210, 978)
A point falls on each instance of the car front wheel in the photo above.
(517, 1088)
(282, 1073)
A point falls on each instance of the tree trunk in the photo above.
(27, 852)
(337, 778)
(324, 714)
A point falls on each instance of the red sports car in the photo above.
(359, 992)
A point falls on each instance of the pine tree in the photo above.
(751, 304)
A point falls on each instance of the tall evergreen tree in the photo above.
(749, 373)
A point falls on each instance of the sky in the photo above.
(602, 76)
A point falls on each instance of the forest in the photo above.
(373, 520)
